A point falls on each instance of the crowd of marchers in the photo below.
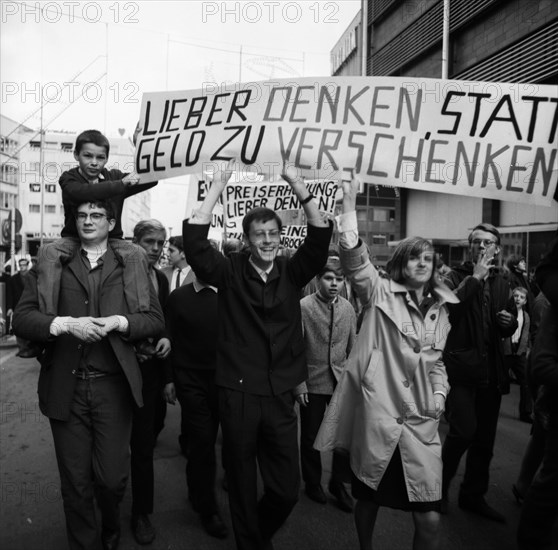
(251, 339)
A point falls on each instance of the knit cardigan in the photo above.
(329, 333)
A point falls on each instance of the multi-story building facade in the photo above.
(12, 135)
(489, 40)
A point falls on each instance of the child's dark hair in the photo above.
(92, 136)
(177, 242)
(334, 265)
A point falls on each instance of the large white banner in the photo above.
(490, 140)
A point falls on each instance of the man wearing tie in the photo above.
(180, 273)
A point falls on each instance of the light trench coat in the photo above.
(385, 396)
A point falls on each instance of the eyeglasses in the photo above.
(272, 235)
(486, 242)
(94, 216)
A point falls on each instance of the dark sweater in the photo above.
(191, 320)
(77, 190)
(260, 349)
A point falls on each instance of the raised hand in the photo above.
(290, 174)
(350, 192)
(485, 260)
(222, 177)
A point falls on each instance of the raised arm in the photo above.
(307, 200)
(353, 252)
(218, 184)
(312, 254)
(76, 190)
(208, 264)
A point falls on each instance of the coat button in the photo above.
(79, 346)
(406, 383)
(86, 301)
(416, 349)
(400, 420)
(433, 316)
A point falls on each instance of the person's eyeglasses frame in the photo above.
(95, 217)
(485, 242)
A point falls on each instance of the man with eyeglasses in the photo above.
(260, 354)
(90, 378)
(474, 360)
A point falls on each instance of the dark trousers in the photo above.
(160, 402)
(311, 417)
(142, 441)
(540, 508)
(472, 414)
(518, 365)
(92, 451)
(262, 429)
(197, 394)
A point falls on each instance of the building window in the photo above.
(50, 188)
(66, 147)
(34, 208)
(379, 239)
(35, 187)
(383, 215)
(50, 209)
(9, 173)
(362, 214)
(7, 200)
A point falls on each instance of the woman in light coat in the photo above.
(386, 408)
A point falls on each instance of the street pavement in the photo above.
(31, 514)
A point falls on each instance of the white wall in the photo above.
(516, 213)
(441, 216)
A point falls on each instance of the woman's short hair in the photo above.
(412, 246)
(513, 261)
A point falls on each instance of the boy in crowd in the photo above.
(192, 323)
(91, 181)
(329, 326)
(516, 348)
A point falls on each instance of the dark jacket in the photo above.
(14, 289)
(77, 190)
(260, 349)
(543, 369)
(547, 273)
(62, 354)
(468, 358)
